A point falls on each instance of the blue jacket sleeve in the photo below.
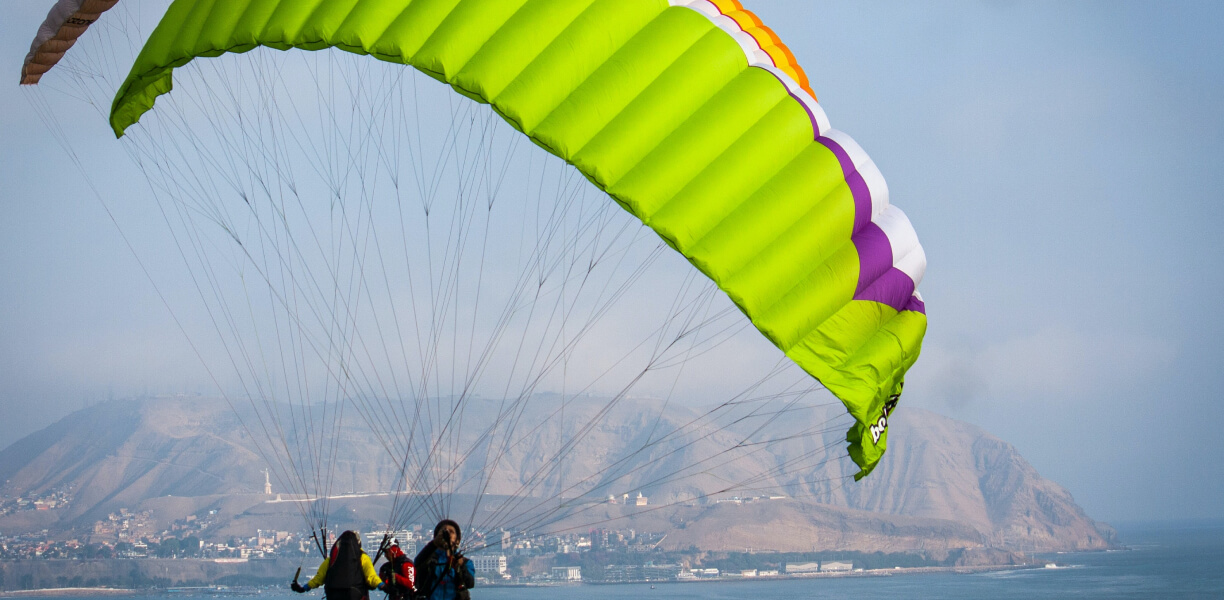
(467, 575)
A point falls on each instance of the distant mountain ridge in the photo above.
(943, 484)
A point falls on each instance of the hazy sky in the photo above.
(1060, 162)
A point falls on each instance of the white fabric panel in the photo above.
(867, 168)
(913, 264)
(908, 256)
(703, 6)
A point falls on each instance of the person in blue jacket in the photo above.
(442, 572)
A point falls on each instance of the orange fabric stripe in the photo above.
(764, 35)
(726, 6)
(745, 19)
(767, 39)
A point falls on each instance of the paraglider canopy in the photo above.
(691, 115)
(335, 284)
(65, 23)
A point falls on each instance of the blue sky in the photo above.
(1060, 162)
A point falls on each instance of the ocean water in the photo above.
(1178, 561)
(1162, 561)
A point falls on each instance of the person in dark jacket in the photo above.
(347, 574)
(442, 573)
(398, 575)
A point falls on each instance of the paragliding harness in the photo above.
(345, 579)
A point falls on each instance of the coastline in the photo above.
(68, 591)
(799, 576)
(246, 590)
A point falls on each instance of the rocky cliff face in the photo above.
(943, 484)
(940, 468)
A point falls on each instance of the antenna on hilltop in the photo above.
(267, 483)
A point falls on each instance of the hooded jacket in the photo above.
(348, 573)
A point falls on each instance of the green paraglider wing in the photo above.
(690, 114)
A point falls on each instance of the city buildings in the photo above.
(567, 574)
(489, 565)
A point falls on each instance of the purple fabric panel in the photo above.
(875, 255)
(862, 199)
(893, 288)
(878, 280)
(858, 186)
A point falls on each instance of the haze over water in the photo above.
(1164, 561)
(1178, 560)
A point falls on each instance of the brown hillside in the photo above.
(942, 484)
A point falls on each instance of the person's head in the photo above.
(348, 539)
(349, 536)
(394, 552)
(447, 534)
